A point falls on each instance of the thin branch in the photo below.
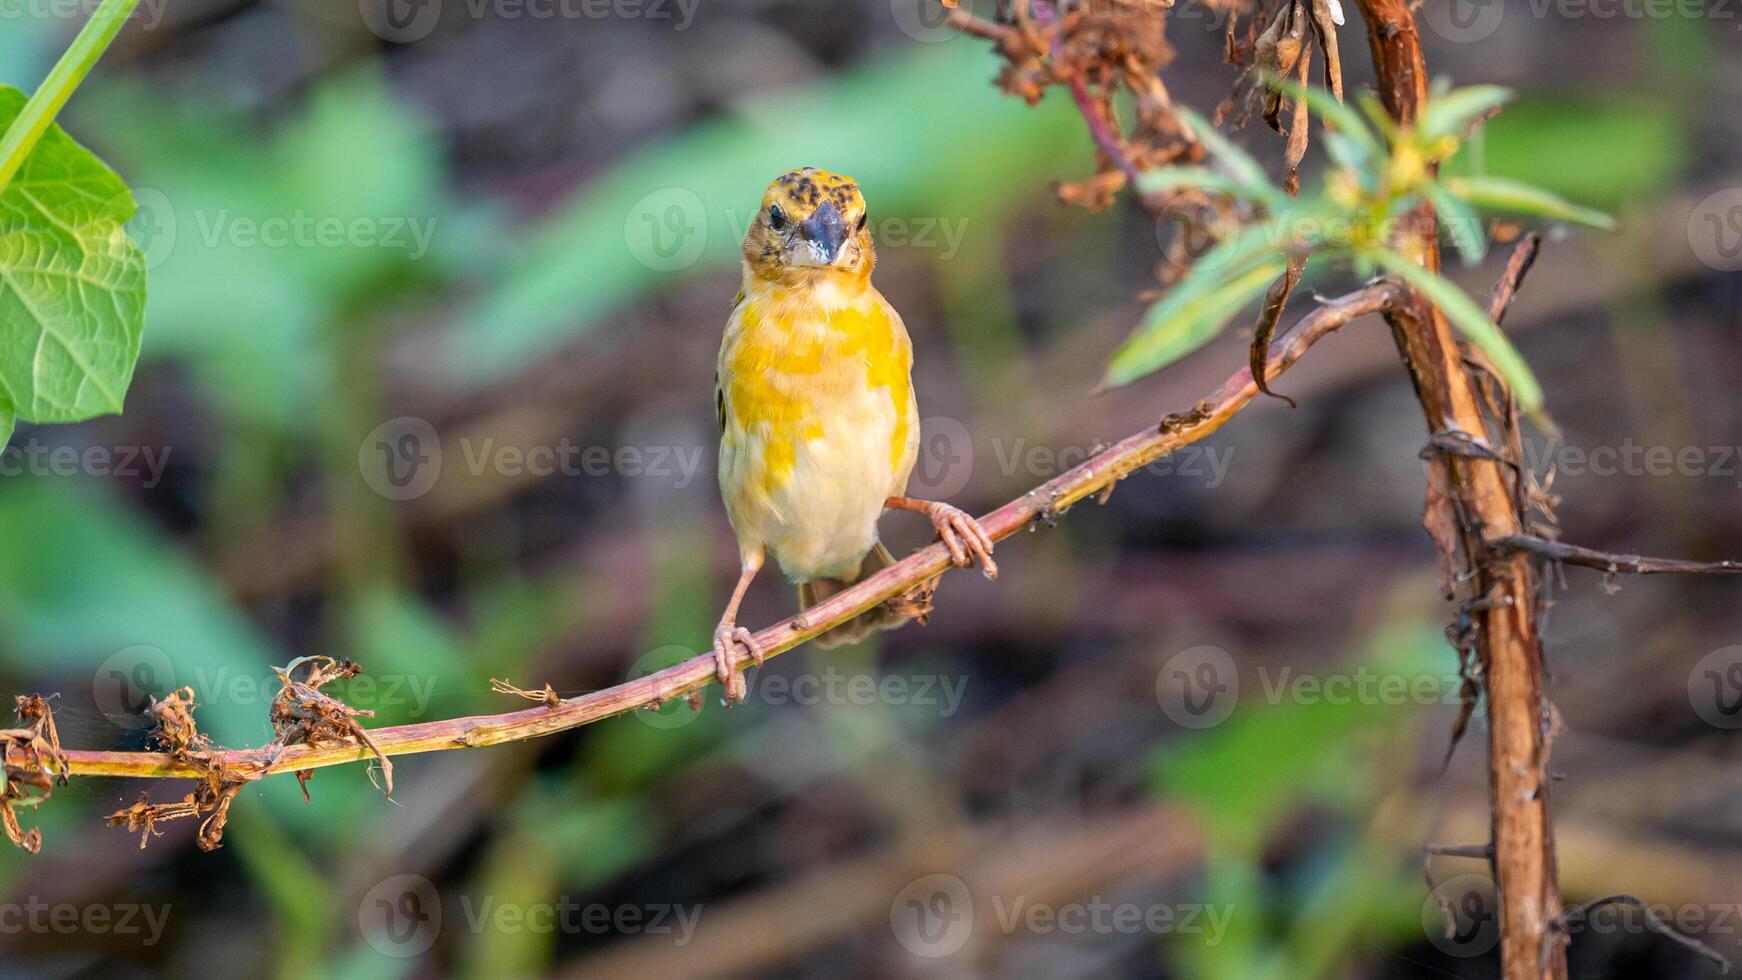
(1042, 504)
(1517, 267)
(1605, 561)
(1653, 921)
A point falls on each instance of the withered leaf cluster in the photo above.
(1283, 49)
(215, 787)
(32, 763)
(301, 714)
(1096, 49)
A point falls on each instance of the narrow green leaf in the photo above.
(1375, 112)
(1163, 179)
(1174, 327)
(1458, 222)
(1471, 320)
(1241, 167)
(1452, 113)
(72, 284)
(1501, 194)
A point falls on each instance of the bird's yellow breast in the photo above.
(817, 418)
(791, 364)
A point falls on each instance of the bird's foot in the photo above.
(967, 541)
(727, 638)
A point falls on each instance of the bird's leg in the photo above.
(728, 635)
(963, 535)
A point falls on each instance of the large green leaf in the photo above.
(1183, 321)
(72, 284)
(1469, 318)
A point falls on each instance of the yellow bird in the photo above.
(819, 429)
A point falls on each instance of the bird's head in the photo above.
(812, 223)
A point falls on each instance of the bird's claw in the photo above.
(966, 540)
(726, 637)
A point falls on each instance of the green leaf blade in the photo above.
(1458, 222)
(1242, 168)
(1517, 197)
(1185, 320)
(1470, 319)
(72, 284)
(1454, 112)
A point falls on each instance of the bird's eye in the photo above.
(862, 218)
(776, 220)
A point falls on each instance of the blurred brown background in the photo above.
(436, 292)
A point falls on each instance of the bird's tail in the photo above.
(886, 615)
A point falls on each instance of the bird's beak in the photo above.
(822, 236)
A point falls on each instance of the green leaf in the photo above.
(1502, 194)
(1163, 179)
(1241, 167)
(1374, 110)
(1184, 320)
(72, 284)
(1458, 222)
(1471, 320)
(1452, 113)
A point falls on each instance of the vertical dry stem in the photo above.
(1505, 605)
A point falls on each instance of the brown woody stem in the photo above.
(1520, 719)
